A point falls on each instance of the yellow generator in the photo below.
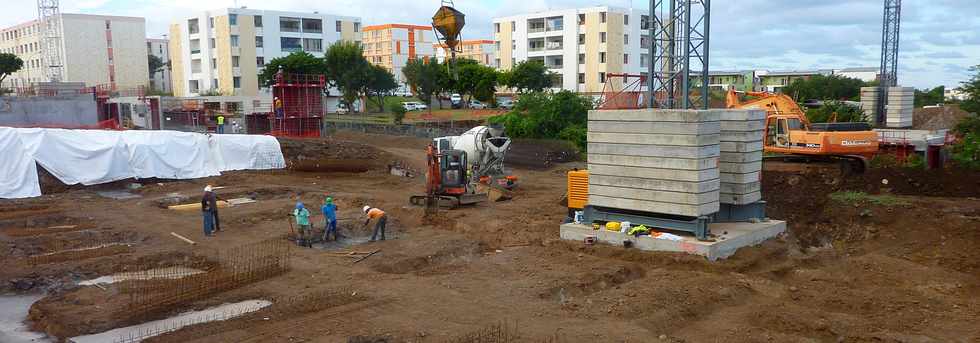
(578, 191)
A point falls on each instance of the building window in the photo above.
(193, 86)
(644, 41)
(644, 22)
(602, 17)
(312, 25)
(626, 19)
(108, 25)
(602, 77)
(339, 25)
(290, 44)
(214, 83)
(581, 19)
(195, 46)
(211, 43)
(626, 39)
(555, 23)
(626, 58)
(357, 27)
(556, 80)
(234, 41)
(210, 22)
(513, 26)
(214, 63)
(602, 37)
(581, 78)
(602, 57)
(581, 58)
(581, 38)
(236, 82)
(192, 27)
(257, 20)
(259, 42)
(644, 59)
(496, 27)
(287, 24)
(260, 61)
(313, 44)
(235, 62)
(195, 66)
(535, 25)
(232, 19)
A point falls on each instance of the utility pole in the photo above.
(679, 39)
(889, 55)
(49, 20)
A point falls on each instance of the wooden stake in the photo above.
(183, 238)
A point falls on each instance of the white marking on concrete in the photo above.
(160, 273)
(159, 327)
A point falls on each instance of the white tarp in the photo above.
(96, 156)
(18, 173)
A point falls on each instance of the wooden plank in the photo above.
(196, 205)
(183, 238)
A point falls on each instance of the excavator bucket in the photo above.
(449, 23)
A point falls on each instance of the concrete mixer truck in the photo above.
(485, 148)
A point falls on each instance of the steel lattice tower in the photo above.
(48, 17)
(679, 31)
(889, 54)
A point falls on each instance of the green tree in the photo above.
(379, 83)
(562, 115)
(845, 113)
(966, 152)
(155, 64)
(930, 96)
(425, 78)
(527, 76)
(397, 113)
(346, 70)
(294, 63)
(972, 90)
(9, 64)
(474, 80)
(820, 87)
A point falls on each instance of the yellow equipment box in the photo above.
(578, 189)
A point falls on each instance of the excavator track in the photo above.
(845, 165)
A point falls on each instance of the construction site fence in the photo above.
(422, 130)
(233, 268)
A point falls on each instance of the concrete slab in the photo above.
(656, 139)
(741, 136)
(656, 115)
(740, 168)
(741, 157)
(740, 199)
(741, 188)
(654, 206)
(655, 162)
(740, 178)
(739, 235)
(654, 173)
(741, 146)
(748, 114)
(656, 150)
(673, 128)
(751, 125)
(654, 195)
(652, 184)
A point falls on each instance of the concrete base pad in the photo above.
(738, 235)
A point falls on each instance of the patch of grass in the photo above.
(858, 198)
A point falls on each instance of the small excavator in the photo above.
(446, 183)
(790, 137)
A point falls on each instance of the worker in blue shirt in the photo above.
(329, 219)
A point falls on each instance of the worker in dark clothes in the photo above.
(213, 198)
(208, 205)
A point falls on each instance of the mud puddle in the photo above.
(146, 330)
(13, 313)
(171, 273)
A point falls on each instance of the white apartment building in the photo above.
(95, 49)
(160, 80)
(222, 51)
(581, 45)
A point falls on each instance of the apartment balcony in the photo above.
(236, 51)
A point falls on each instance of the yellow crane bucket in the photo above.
(449, 23)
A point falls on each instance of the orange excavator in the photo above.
(789, 136)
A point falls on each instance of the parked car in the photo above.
(456, 101)
(409, 106)
(506, 104)
(421, 107)
(476, 104)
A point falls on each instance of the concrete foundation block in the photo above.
(742, 146)
(655, 139)
(671, 128)
(754, 125)
(696, 152)
(742, 157)
(654, 206)
(740, 199)
(654, 173)
(656, 115)
(654, 162)
(654, 195)
(740, 178)
(731, 237)
(733, 114)
(741, 188)
(653, 184)
(740, 168)
(741, 136)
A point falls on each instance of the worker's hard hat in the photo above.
(299, 205)
(207, 188)
(366, 208)
(329, 200)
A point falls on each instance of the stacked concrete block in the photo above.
(740, 163)
(652, 160)
(869, 101)
(898, 113)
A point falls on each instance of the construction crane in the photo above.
(48, 14)
(889, 55)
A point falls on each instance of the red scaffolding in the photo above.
(301, 110)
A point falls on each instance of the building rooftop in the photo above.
(396, 26)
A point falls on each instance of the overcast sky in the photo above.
(940, 39)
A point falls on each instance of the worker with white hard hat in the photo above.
(209, 210)
(381, 219)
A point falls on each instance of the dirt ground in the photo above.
(906, 270)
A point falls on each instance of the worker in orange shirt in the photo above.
(380, 220)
